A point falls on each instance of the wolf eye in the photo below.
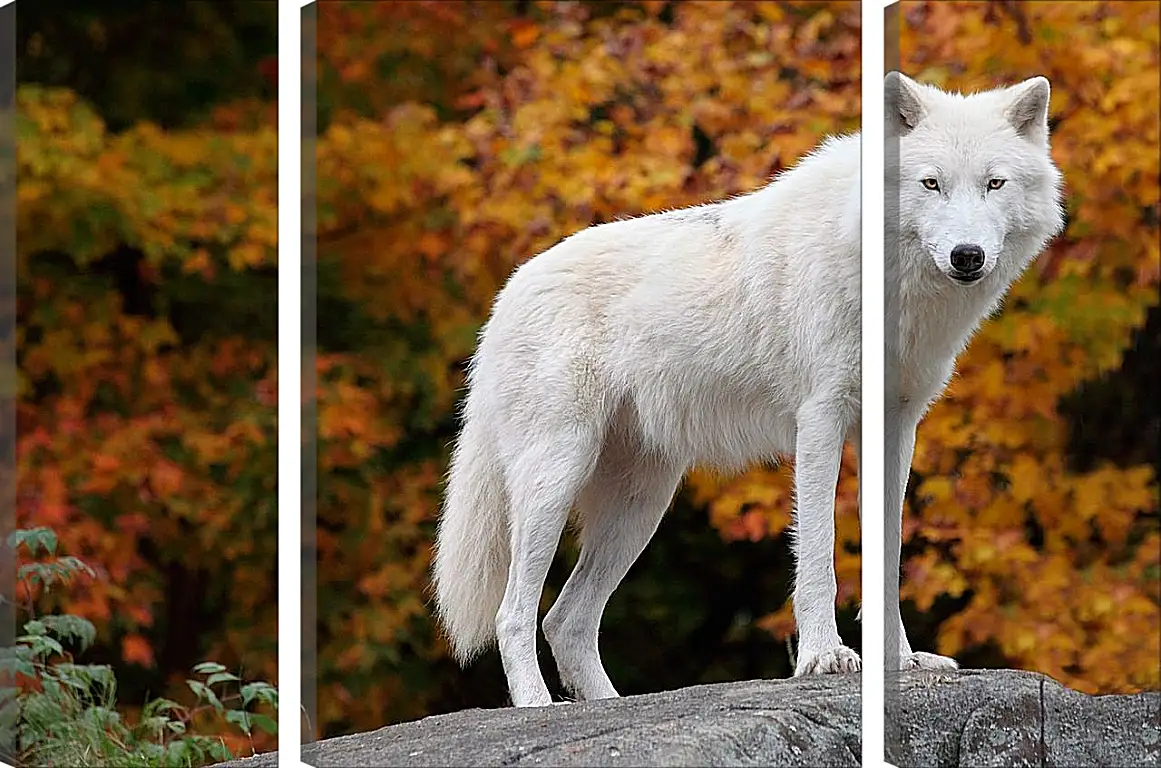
(930, 183)
(996, 183)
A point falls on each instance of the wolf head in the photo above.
(978, 193)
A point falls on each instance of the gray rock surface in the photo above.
(966, 718)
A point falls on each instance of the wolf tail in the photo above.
(470, 570)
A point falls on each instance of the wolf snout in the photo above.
(967, 262)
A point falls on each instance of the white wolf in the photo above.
(720, 335)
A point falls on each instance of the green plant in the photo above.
(58, 712)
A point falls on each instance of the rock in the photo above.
(1009, 718)
(976, 718)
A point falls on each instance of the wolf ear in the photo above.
(1028, 109)
(904, 107)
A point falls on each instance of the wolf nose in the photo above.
(967, 259)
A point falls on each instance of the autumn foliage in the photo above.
(146, 266)
(460, 139)
(547, 120)
(1059, 567)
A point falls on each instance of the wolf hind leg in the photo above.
(543, 484)
(620, 510)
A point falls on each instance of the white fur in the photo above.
(718, 335)
(962, 141)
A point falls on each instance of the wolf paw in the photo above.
(837, 660)
(928, 661)
(536, 699)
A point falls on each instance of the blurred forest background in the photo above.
(147, 297)
(1033, 538)
(459, 139)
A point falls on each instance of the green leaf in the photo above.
(18, 662)
(205, 694)
(240, 718)
(160, 707)
(73, 565)
(34, 539)
(208, 667)
(221, 677)
(69, 627)
(42, 645)
(35, 627)
(267, 724)
(262, 691)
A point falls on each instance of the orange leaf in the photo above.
(135, 649)
(165, 477)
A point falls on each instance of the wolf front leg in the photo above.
(818, 456)
(900, 427)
